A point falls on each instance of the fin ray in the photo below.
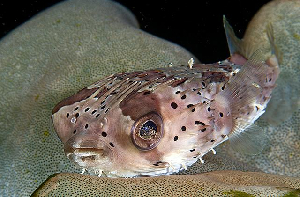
(246, 85)
(245, 92)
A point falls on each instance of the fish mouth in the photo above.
(85, 157)
(86, 153)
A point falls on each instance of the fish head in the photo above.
(144, 123)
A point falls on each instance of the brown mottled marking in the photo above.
(138, 104)
(178, 82)
(102, 92)
(79, 96)
(213, 67)
(215, 76)
(127, 75)
(151, 75)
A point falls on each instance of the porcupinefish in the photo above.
(162, 120)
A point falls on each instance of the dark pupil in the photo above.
(148, 130)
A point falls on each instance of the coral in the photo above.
(218, 183)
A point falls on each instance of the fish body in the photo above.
(160, 121)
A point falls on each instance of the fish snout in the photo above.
(87, 150)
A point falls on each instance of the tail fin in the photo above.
(285, 98)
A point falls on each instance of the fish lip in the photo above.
(84, 141)
(85, 156)
(86, 151)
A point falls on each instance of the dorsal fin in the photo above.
(233, 42)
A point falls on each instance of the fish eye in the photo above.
(147, 131)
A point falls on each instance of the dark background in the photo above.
(195, 25)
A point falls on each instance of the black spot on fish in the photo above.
(223, 136)
(199, 122)
(203, 84)
(199, 93)
(102, 107)
(208, 109)
(183, 96)
(104, 134)
(76, 115)
(174, 105)
(147, 92)
(75, 108)
(192, 150)
(94, 111)
(212, 140)
(86, 126)
(97, 115)
(176, 138)
(189, 105)
(204, 129)
(87, 109)
(68, 115)
(193, 110)
(74, 131)
(157, 163)
(221, 114)
(112, 145)
(177, 92)
(183, 128)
